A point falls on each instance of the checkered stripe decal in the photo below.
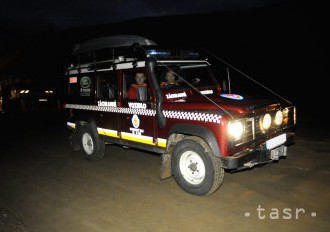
(145, 112)
(184, 115)
(120, 110)
(215, 118)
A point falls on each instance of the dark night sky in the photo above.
(278, 42)
(66, 13)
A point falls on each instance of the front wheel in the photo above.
(195, 168)
(92, 147)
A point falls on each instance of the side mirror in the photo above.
(142, 94)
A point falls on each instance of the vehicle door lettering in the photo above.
(176, 95)
(137, 105)
(107, 103)
(209, 91)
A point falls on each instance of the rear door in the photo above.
(107, 101)
(137, 118)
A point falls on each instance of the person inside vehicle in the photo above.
(139, 79)
(171, 80)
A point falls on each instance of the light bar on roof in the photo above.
(158, 53)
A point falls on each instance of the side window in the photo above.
(198, 76)
(168, 77)
(136, 86)
(107, 85)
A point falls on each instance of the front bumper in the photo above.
(249, 158)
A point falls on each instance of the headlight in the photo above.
(266, 121)
(236, 129)
(278, 118)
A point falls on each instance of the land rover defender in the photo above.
(199, 129)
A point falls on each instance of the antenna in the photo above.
(228, 76)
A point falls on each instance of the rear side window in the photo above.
(107, 86)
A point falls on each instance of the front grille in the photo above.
(258, 131)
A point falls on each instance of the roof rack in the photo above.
(118, 41)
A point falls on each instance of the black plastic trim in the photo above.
(200, 131)
(259, 155)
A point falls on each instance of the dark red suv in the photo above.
(170, 104)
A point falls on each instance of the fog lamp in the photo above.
(266, 121)
(278, 118)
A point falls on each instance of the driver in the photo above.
(171, 80)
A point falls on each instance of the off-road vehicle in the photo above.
(199, 129)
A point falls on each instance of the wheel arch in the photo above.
(84, 120)
(195, 130)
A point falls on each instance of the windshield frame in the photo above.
(186, 64)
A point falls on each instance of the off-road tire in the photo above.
(196, 149)
(91, 146)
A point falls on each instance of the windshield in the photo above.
(198, 75)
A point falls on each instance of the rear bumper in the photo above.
(249, 158)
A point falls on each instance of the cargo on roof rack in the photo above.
(118, 41)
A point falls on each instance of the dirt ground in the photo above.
(46, 187)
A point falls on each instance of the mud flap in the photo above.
(74, 141)
(165, 170)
